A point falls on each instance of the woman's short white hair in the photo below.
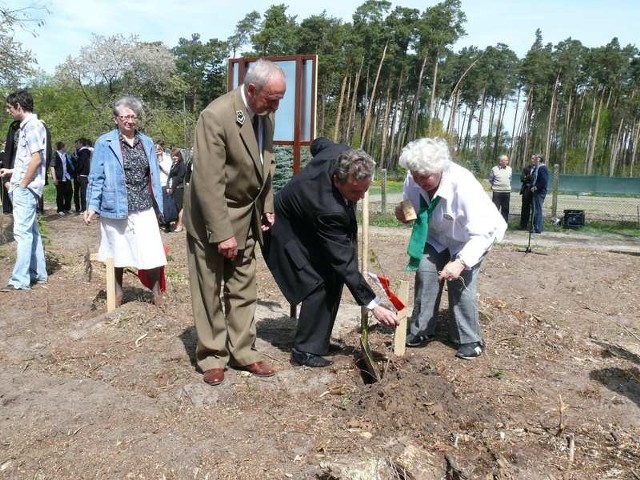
(426, 155)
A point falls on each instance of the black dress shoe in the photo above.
(336, 345)
(308, 359)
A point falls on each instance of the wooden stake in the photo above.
(400, 337)
(111, 285)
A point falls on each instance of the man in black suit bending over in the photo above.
(312, 249)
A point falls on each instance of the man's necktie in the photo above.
(419, 233)
(256, 128)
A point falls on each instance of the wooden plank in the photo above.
(111, 285)
(400, 337)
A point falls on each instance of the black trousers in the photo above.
(501, 201)
(317, 317)
(64, 192)
(525, 211)
(83, 181)
(76, 194)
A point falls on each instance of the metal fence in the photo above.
(596, 205)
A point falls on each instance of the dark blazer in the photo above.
(542, 178)
(314, 238)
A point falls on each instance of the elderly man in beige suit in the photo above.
(228, 205)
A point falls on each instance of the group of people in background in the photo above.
(69, 174)
(307, 231)
(534, 181)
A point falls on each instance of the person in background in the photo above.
(164, 163)
(456, 225)
(60, 175)
(8, 160)
(123, 167)
(228, 207)
(25, 189)
(175, 185)
(539, 192)
(526, 179)
(500, 180)
(83, 167)
(312, 249)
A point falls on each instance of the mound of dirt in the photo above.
(91, 394)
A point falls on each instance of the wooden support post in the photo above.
(111, 285)
(400, 337)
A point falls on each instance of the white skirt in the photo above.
(132, 242)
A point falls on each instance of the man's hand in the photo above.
(228, 248)
(385, 316)
(5, 171)
(268, 219)
(451, 270)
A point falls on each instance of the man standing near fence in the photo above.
(500, 180)
(539, 190)
(527, 197)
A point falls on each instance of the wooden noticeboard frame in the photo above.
(300, 120)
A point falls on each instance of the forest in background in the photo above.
(578, 106)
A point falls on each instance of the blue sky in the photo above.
(70, 22)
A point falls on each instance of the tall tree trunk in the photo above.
(496, 141)
(469, 120)
(615, 149)
(434, 83)
(483, 105)
(636, 139)
(551, 120)
(594, 140)
(336, 128)
(385, 127)
(492, 116)
(395, 121)
(416, 100)
(354, 104)
(367, 120)
(514, 140)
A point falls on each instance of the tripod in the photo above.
(530, 223)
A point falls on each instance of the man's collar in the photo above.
(27, 118)
(245, 102)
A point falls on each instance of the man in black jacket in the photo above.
(312, 248)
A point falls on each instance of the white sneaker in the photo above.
(61, 214)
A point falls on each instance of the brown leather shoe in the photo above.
(259, 369)
(214, 376)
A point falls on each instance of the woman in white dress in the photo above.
(124, 184)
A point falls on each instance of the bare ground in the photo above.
(86, 394)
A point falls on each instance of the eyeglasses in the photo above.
(128, 117)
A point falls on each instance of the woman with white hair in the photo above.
(456, 225)
(124, 183)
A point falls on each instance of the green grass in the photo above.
(49, 193)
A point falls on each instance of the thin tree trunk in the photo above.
(336, 128)
(551, 122)
(594, 140)
(434, 84)
(354, 103)
(416, 99)
(615, 149)
(385, 128)
(513, 129)
(367, 120)
(483, 105)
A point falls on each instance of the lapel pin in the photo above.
(240, 117)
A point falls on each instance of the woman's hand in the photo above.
(88, 216)
(451, 270)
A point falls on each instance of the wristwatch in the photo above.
(459, 258)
